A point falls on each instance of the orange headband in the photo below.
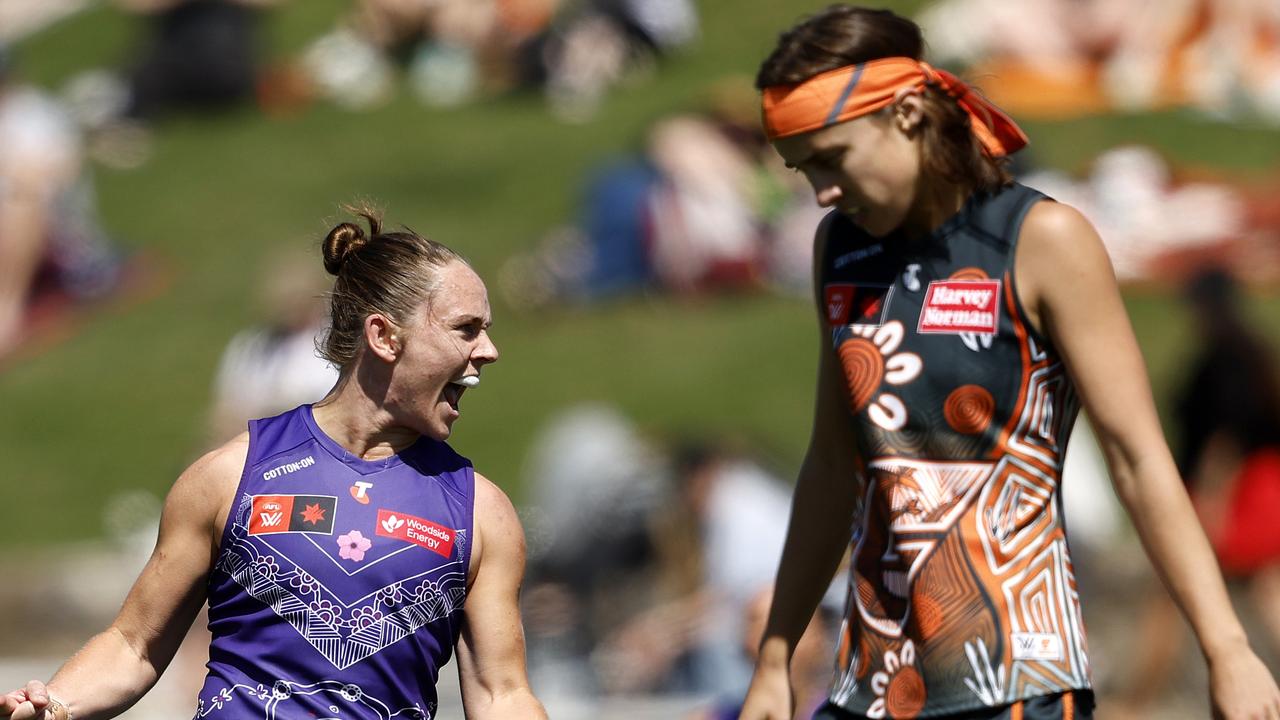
(856, 90)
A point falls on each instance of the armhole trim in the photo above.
(236, 496)
(473, 531)
(1015, 235)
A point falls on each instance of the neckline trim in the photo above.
(350, 459)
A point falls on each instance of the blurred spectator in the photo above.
(718, 542)
(52, 249)
(704, 208)
(599, 42)
(739, 509)
(456, 50)
(268, 369)
(452, 50)
(1229, 428)
(1066, 57)
(1228, 418)
(810, 663)
(1143, 214)
(643, 563)
(593, 484)
(197, 53)
(20, 18)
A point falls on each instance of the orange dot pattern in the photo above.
(905, 695)
(930, 616)
(969, 409)
(863, 368)
(969, 273)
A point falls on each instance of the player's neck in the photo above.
(351, 418)
(937, 200)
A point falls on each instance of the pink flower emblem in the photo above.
(353, 545)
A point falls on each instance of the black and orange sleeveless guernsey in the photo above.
(961, 592)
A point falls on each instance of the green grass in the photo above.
(121, 404)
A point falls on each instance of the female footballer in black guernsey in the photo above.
(964, 319)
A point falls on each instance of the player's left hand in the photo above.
(1241, 688)
(26, 703)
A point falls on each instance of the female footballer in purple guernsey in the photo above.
(964, 319)
(344, 549)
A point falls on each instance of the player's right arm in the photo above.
(119, 665)
(818, 533)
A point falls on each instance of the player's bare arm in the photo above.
(491, 649)
(119, 665)
(817, 535)
(1068, 287)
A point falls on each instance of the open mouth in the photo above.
(452, 392)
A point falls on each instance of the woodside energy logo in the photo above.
(423, 533)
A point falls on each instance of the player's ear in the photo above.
(383, 337)
(908, 109)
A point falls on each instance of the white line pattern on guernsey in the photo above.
(282, 690)
(319, 619)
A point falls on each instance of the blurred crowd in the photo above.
(209, 54)
(703, 205)
(53, 248)
(1061, 58)
(452, 51)
(649, 559)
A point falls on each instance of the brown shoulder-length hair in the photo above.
(847, 35)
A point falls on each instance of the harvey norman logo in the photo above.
(961, 306)
(293, 467)
(423, 533)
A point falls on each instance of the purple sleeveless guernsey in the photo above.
(338, 588)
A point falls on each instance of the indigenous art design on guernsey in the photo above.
(988, 681)
(969, 409)
(344, 633)
(1024, 542)
(870, 357)
(924, 501)
(899, 688)
(345, 701)
(981, 538)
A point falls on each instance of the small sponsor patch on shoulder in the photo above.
(856, 303)
(961, 306)
(1036, 646)
(837, 299)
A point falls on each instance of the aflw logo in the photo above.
(292, 513)
(1036, 646)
